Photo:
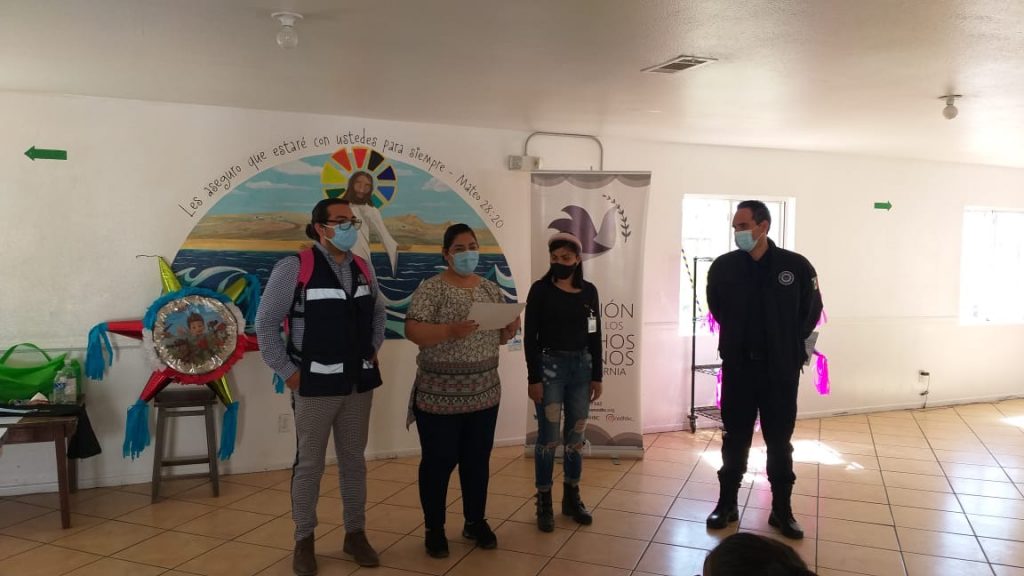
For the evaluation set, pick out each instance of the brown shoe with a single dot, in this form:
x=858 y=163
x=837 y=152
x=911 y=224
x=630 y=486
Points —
x=304 y=561
x=359 y=548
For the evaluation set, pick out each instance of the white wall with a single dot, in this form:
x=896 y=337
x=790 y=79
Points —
x=890 y=281
x=69 y=233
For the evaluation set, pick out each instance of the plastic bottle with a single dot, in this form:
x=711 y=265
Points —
x=59 y=385
x=65 y=386
x=70 y=384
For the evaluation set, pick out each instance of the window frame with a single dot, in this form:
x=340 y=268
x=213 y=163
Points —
x=783 y=226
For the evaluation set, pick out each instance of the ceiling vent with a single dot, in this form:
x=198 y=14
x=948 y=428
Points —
x=678 y=64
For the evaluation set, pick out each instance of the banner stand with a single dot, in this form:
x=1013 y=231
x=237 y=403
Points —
x=607 y=211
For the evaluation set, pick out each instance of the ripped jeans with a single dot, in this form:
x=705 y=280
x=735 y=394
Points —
x=566 y=389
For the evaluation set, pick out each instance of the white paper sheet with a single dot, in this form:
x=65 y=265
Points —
x=492 y=316
x=809 y=344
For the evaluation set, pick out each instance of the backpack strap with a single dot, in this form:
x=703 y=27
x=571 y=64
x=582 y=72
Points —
x=362 y=268
x=305 y=267
x=305 y=273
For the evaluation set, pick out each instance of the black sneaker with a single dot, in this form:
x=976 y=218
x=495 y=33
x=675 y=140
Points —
x=481 y=533
x=436 y=543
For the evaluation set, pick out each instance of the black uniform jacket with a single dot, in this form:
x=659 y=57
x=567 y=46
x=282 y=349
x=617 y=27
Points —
x=790 y=300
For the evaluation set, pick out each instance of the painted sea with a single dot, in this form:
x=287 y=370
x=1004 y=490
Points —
x=216 y=269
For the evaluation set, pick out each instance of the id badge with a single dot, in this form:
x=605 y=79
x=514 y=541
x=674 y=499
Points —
x=591 y=325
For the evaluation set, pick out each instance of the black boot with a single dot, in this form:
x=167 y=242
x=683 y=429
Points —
x=782 y=513
x=572 y=505
x=545 y=512
x=726 y=510
x=436 y=543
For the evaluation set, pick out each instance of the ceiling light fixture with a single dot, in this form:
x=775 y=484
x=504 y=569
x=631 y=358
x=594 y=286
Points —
x=950 y=111
x=287 y=37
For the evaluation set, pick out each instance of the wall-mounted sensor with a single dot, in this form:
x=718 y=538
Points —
x=524 y=163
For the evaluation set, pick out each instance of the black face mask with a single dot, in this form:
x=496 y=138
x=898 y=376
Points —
x=561 y=271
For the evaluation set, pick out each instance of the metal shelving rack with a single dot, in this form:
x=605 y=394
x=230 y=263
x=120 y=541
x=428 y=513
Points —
x=709 y=412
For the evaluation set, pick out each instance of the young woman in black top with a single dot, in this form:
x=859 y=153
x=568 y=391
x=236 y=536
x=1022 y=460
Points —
x=562 y=338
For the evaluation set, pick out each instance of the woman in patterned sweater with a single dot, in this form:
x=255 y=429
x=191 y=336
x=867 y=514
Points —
x=455 y=398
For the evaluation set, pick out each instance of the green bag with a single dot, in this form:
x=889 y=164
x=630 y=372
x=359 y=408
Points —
x=22 y=382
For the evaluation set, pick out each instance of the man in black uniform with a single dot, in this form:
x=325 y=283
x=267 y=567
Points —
x=767 y=303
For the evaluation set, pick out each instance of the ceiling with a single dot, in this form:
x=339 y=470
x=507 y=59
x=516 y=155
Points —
x=850 y=76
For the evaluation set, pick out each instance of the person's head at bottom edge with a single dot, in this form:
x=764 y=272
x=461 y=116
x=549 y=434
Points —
x=746 y=554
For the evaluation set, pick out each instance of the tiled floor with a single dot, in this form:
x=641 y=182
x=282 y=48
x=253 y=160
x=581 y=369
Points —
x=916 y=492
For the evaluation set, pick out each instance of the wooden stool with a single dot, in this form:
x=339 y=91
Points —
x=175 y=403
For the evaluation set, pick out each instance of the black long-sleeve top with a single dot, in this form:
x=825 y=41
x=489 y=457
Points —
x=558 y=320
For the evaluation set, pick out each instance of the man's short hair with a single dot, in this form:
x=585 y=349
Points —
x=759 y=210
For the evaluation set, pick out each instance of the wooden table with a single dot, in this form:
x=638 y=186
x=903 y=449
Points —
x=56 y=429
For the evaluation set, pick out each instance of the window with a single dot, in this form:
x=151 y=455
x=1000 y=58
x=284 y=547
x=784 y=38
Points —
x=992 y=267
x=707 y=233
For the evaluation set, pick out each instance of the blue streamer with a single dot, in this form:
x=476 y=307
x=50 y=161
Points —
x=278 y=383
x=251 y=298
x=228 y=431
x=136 y=430
x=95 y=364
x=150 y=318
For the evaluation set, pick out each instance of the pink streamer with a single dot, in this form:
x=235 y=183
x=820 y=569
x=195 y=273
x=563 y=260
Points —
x=712 y=323
x=822 y=319
x=822 y=382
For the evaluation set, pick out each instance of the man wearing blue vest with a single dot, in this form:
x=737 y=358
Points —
x=329 y=303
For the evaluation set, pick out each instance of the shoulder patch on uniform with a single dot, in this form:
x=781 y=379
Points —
x=786 y=277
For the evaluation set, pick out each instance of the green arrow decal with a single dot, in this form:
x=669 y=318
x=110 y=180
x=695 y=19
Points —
x=883 y=206
x=45 y=154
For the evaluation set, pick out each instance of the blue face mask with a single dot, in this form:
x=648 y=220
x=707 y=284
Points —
x=465 y=262
x=344 y=239
x=745 y=240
